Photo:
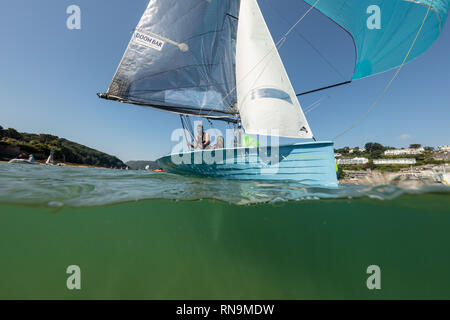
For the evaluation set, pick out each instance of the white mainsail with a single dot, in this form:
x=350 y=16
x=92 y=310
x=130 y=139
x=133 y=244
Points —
x=266 y=99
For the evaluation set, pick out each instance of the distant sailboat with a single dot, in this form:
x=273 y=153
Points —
x=50 y=161
x=30 y=160
x=217 y=60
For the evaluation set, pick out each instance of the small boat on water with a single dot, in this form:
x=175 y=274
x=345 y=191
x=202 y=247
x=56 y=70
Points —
x=30 y=160
x=50 y=160
x=217 y=60
x=23 y=161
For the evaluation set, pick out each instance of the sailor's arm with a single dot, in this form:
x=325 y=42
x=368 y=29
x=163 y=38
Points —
x=207 y=140
x=196 y=143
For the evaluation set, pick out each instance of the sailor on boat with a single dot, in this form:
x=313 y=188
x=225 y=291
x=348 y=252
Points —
x=202 y=141
x=220 y=144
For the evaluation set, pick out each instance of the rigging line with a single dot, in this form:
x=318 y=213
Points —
x=189 y=125
x=390 y=82
x=299 y=20
x=302 y=37
x=314 y=105
x=184 y=129
x=313 y=108
x=279 y=43
x=295 y=25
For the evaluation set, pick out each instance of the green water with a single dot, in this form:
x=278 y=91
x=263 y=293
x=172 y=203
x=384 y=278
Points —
x=210 y=249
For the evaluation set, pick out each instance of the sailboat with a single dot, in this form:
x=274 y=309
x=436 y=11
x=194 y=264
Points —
x=217 y=60
x=50 y=160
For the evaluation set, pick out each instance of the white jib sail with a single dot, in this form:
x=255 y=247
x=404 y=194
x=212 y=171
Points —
x=266 y=100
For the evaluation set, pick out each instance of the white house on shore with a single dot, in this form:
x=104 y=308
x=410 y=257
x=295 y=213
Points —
x=352 y=161
x=398 y=152
x=444 y=148
x=356 y=149
x=395 y=161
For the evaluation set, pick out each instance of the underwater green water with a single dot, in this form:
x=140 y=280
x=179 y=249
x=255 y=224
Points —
x=210 y=249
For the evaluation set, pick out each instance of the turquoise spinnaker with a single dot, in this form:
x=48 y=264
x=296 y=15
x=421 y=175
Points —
x=381 y=47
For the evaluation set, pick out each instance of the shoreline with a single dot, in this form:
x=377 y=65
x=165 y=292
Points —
x=74 y=165
x=410 y=178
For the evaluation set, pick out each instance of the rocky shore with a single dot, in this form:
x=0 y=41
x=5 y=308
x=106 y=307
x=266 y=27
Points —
x=415 y=177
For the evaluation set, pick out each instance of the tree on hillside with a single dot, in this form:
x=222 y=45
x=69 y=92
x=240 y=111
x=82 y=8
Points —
x=65 y=150
x=357 y=151
x=375 y=149
x=374 y=146
x=344 y=150
x=429 y=149
x=46 y=138
x=12 y=133
x=376 y=154
x=415 y=146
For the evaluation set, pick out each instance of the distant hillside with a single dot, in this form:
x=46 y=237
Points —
x=13 y=143
x=141 y=164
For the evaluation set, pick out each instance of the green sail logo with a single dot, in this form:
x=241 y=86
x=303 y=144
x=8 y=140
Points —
x=148 y=41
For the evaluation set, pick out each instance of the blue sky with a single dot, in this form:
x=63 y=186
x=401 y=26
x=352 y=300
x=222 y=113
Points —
x=50 y=76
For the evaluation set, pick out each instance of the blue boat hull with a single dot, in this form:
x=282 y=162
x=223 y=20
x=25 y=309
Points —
x=311 y=164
